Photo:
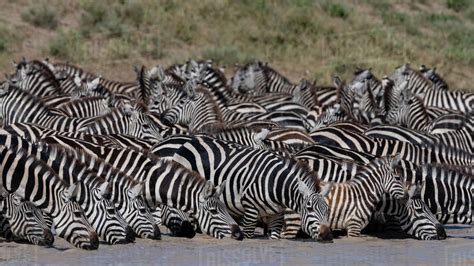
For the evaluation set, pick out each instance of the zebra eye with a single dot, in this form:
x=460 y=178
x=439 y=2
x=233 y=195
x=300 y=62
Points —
x=78 y=214
x=142 y=210
x=29 y=214
x=111 y=211
x=213 y=210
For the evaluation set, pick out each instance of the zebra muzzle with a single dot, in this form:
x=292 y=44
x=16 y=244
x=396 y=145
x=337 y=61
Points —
x=440 y=232
x=236 y=233
x=325 y=233
x=156 y=232
x=186 y=230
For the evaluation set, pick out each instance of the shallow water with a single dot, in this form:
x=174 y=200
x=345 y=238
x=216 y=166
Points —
x=458 y=249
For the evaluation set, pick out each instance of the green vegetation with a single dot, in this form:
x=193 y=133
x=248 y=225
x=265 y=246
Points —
x=41 y=14
x=320 y=38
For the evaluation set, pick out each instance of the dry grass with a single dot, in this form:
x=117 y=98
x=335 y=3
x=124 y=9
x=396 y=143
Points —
x=301 y=38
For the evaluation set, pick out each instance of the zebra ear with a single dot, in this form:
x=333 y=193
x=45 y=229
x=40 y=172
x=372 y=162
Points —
x=304 y=189
x=71 y=191
x=103 y=188
x=5 y=88
x=326 y=189
x=262 y=135
x=395 y=161
x=135 y=191
x=207 y=191
x=94 y=83
x=219 y=189
x=77 y=81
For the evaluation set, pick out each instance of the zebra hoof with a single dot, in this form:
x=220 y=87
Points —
x=186 y=230
x=236 y=232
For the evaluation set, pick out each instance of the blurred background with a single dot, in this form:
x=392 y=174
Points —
x=299 y=38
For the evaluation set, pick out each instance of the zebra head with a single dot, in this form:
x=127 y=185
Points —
x=26 y=221
x=212 y=215
x=249 y=79
x=418 y=220
x=135 y=212
x=314 y=212
x=178 y=222
x=102 y=214
x=391 y=182
x=329 y=116
x=70 y=222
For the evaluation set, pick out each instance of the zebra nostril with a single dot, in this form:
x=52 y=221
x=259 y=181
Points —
x=440 y=232
x=236 y=232
x=156 y=232
x=186 y=230
x=129 y=234
x=48 y=237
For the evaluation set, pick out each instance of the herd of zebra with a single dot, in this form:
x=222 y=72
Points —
x=86 y=158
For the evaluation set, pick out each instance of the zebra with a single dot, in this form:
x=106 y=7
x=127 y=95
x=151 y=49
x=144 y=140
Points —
x=418 y=84
x=258 y=78
x=460 y=139
x=36 y=78
x=195 y=111
x=26 y=220
x=438 y=81
x=377 y=177
x=140 y=166
x=85 y=107
x=447 y=190
x=17 y=105
x=136 y=164
x=127 y=120
x=257 y=169
x=92 y=192
x=382 y=147
x=46 y=191
x=118 y=87
x=416 y=219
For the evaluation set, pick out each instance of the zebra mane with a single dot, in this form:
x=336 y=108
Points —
x=79 y=153
x=35 y=162
x=35 y=99
x=210 y=99
x=303 y=170
x=463 y=170
x=68 y=67
x=217 y=129
x=46 y=72
x=267 y=70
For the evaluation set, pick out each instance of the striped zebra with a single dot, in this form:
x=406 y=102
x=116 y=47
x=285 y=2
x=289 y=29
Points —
x=412 y=215
x=258 y=78
x=85 y=107
x=382 y=147
x=26 y=220
x=46 y=191
x=19 y=106
x=448 y=191
x=127 y=120
x=378 y=178
x=257 y=178
x=118 y=87
x=462 y=139
x=36 y=78
x=143 y=167
x=418 y=84
x=438 y=81
x=92 y=194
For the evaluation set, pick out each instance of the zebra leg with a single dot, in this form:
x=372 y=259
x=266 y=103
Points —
x=292 y=224
x=355 y=225
x=249 y=222
x=5 y=229
x=275 y=225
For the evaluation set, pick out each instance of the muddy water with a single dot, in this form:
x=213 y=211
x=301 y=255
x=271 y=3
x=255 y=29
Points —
x=458 y=249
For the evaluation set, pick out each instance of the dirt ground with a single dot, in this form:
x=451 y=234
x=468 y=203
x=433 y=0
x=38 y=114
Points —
x=204 y=250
